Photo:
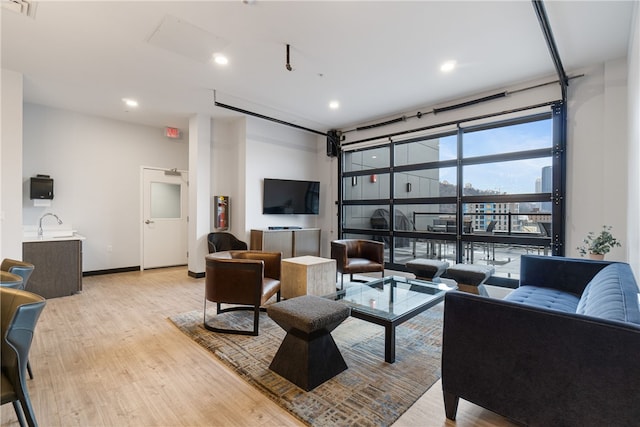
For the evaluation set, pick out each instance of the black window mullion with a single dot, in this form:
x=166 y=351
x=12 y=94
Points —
x=559 y=178
x=340 y=192
x=459 y=206
x=392 y=210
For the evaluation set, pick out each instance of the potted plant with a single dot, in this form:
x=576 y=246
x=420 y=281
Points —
x=598 y=245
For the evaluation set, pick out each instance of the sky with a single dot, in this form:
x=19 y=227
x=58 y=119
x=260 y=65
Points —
x=513 y=177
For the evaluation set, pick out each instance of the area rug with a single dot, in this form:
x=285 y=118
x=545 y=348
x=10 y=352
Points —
x=370 y=392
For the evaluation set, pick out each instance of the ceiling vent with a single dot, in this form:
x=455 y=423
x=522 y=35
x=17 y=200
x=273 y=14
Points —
x=183 y=38
x=22 y=7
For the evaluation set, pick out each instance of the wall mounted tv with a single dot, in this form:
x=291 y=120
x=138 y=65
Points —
x=286 y=196
x=41 y=187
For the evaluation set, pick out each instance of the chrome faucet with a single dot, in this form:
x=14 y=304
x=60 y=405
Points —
x=42 y=217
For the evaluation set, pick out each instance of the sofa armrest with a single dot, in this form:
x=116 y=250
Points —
x=539 y=366
x=566 y=274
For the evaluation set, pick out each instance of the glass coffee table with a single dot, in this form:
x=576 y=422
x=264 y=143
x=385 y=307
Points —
x=389 y=302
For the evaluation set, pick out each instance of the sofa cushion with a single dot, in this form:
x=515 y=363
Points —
x=537 y=296
x=612 y=294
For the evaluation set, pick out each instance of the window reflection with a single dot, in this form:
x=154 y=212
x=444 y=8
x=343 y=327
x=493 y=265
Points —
x=371 y=158
x=426 y=151
x=425 y=183
x=366 y=187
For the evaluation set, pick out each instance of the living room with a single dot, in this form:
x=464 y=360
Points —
x=96 y=163
x=75 y=145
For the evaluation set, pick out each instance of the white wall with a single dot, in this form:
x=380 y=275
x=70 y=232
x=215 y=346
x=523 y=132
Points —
x=199 y=224
x=328 y=218
x=598 y=145
x=226 y=170
x=11 y=166
x=277 y=151
x=519 y=96
x=95 y=163
x=247 y=150
x=633 y=233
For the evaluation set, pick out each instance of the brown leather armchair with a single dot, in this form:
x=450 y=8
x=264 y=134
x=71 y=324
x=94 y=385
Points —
x=357 y=256
x=247 y=279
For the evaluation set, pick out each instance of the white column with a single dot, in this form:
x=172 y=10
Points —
x=11 y=166
x=199 y=191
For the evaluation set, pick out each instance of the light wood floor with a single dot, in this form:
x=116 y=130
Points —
x=110 y=357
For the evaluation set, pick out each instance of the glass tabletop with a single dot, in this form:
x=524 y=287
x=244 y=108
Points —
x=391 y=297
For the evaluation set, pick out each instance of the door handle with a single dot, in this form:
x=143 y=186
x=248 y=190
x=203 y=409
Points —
x=148 y=221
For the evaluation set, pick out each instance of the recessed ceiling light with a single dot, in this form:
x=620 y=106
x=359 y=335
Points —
x=448 y=66
x=220 y=59
x=334 y=105
x=130 y=102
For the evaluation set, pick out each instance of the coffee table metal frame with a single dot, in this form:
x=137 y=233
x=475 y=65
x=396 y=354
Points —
x=404 y=299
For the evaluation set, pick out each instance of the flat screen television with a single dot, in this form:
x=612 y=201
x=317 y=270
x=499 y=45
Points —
x=286 y=196
x=41 y=188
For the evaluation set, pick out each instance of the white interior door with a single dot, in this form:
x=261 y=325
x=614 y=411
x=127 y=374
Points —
x=164 y=221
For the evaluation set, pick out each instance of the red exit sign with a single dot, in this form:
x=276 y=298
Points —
x=172 y=133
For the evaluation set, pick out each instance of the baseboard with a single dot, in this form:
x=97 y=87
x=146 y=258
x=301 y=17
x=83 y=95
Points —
x=128 y=270
x=111 y=271
x=195 y=275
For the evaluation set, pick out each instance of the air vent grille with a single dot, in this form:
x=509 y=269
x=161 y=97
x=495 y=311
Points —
x=22 y=7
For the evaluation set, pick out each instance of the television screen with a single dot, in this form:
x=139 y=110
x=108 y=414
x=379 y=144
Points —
x=284 y=196
x=41 y=188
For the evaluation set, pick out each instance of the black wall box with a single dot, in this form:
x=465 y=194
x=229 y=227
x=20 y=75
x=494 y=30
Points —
x=41 y=188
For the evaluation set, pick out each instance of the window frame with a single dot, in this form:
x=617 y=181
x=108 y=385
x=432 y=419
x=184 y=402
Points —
x=556 y=153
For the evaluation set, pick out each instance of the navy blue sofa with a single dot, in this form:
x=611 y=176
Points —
x=561 y=350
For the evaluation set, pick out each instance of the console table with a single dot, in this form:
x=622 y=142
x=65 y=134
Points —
x=291 y=242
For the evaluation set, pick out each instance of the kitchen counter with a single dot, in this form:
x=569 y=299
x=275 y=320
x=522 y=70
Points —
x=52 y=236
x=57 y=257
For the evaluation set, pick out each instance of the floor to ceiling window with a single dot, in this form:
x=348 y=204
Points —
x=474 y=193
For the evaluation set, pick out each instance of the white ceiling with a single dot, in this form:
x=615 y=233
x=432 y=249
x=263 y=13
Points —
x=378 y=58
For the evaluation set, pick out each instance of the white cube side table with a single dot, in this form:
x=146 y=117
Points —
x=307 y=275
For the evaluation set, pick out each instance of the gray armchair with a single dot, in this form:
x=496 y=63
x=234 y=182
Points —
x=20 y=313
x=21 y=268
x=24 y=270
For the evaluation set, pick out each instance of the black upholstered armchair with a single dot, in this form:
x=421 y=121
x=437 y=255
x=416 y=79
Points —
x=221 y=241
x=357 y=256
x=246 y=279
